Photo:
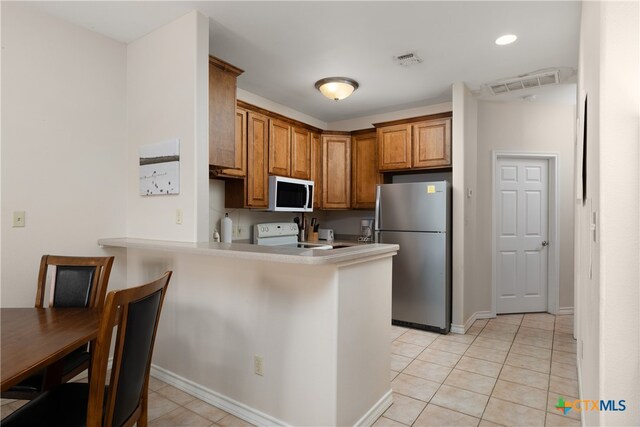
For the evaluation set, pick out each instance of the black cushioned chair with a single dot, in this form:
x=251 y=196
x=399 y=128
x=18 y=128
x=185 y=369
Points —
x=135 y=314
x=75 y=282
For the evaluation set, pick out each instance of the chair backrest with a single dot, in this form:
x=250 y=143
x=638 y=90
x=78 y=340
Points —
x=135 y=313
x=76 y=282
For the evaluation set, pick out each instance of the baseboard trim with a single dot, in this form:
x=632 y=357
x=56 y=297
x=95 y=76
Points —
x=248 y=413
x=376 y=410
x=563 y=311
x=229 y=405
x=462 y=329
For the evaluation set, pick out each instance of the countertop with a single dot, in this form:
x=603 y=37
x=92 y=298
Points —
x=354 y=252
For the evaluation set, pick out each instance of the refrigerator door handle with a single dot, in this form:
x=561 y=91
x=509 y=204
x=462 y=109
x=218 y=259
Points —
x=377 y=215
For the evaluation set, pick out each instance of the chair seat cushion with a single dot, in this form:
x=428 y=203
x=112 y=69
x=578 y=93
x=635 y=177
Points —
x=33 y=384
x=75 y=359
x=65 y=405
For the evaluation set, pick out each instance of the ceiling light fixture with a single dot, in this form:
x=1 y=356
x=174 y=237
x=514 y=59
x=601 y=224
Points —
x=506 y=39
x=336 y=88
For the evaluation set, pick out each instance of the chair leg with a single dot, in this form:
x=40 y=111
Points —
x=142 y=421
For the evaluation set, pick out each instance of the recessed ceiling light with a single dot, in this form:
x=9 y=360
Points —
x=506 y=39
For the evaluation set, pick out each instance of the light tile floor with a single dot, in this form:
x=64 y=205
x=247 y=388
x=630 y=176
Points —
x=506 y=371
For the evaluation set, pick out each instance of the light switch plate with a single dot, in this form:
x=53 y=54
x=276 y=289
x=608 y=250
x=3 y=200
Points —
x=18 y=218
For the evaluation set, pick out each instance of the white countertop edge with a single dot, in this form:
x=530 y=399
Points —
x=257 y=253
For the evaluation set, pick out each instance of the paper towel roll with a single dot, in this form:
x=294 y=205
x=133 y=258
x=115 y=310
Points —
x=226 y=229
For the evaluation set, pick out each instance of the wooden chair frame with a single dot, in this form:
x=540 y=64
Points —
x=115 y=314
x=54 y=374
x=100 y=279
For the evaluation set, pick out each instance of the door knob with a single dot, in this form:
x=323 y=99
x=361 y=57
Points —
x=545 y=243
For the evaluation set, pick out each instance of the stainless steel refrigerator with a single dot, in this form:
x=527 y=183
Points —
x=417 y=216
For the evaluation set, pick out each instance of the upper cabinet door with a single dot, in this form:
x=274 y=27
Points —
x=280 y=148
x=300 y=153
x=257 y=158
x=394 y=147
x=316 y=169
x=336 y=172
x=241 y=145
x=222 y=115
x=432 y=143
x=364 y=171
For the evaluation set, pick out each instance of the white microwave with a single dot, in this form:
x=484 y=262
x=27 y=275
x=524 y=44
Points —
x=290 y=194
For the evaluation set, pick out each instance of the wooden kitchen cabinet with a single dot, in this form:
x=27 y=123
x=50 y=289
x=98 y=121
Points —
x=417 y=143
x=257 y=183
x=432 y=143
x=279 y=148
x=300 y=153
x=316 y=169
x=223 y=145
x=241 y=143
x=336 y=171
x=364 y=170
x=394 y=147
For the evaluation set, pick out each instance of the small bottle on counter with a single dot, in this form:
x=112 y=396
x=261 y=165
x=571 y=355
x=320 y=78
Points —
x=226 y=228
x=216 y=236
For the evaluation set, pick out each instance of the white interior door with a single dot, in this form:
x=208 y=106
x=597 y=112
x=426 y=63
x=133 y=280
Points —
x=522 y=202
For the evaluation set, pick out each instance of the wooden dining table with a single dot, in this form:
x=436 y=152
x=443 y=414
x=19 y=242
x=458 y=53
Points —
x=34 y=338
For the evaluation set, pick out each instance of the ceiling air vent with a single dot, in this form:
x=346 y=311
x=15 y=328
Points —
x=525 y=82
x=408 y=59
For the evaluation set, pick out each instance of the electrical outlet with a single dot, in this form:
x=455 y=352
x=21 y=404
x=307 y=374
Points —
x=258 y=365
x=236 y=231
x=18 y=218
x=178 y=216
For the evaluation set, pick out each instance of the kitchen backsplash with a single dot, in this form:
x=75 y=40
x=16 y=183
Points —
x=244 y=219
x=342 y=222
x=346 y=222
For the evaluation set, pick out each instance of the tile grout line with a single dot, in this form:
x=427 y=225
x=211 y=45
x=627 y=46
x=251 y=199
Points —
x=445 y=379
x=501 y=368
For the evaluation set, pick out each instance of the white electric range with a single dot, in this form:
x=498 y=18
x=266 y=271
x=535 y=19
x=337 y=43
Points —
x=282 y=234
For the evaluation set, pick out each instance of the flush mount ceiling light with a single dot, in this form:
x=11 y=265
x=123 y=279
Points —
x=506 y=39
x=336 y=88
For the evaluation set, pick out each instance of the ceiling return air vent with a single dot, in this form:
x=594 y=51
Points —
x=408 y=59
x=525 y=82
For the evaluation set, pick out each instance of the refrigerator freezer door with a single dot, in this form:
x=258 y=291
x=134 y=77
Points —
x=421 y=285
x=412 y=207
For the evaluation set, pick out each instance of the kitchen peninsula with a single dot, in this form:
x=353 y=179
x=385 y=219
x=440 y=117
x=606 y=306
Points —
x=277 y=336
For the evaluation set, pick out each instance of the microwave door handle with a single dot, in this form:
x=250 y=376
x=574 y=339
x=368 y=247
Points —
x=306 y=203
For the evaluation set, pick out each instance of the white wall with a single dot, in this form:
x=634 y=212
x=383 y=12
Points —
x=608 y=297
x=167 y=87
x=469 y=193
x=301 y=319
x=368 y=121
x=267 y=104
x=63 y=145
x=528 y=127
x=459 y=130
